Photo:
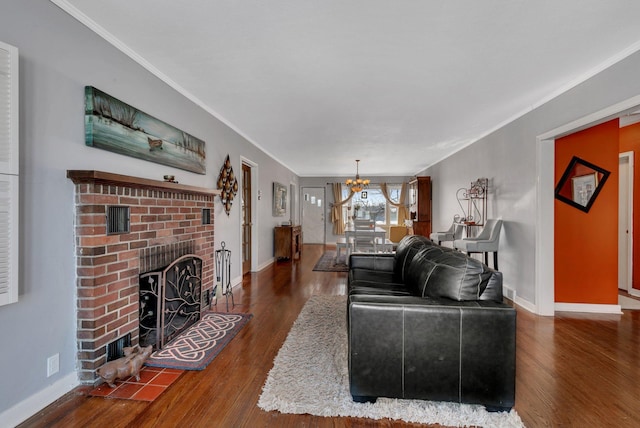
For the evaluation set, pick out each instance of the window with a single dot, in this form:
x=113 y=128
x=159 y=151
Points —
x=371 y=204
x=8 y=174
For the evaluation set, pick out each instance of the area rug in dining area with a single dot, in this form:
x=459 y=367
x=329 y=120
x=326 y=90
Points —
x=329 y=262
x=310 y=375
x=199 y=344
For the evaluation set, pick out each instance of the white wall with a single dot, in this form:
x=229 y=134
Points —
x=58 y=57
x=508 y=157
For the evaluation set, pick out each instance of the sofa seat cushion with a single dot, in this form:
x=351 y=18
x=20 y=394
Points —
x=439 y=272
x=372 y=275
x=378 y=289
x=375 y=282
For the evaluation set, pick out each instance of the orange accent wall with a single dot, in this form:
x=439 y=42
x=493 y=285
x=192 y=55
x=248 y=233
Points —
x=586 y=244
x=630 y=142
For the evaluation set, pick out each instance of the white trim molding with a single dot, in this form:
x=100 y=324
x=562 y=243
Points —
x=588 y=308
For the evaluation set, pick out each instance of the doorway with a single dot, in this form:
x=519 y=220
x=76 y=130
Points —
x=545 y=231
x=313 y=208
x=246 y=218
x=625 y=222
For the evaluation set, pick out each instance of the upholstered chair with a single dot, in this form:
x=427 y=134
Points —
x=396 y=233
x=485 y=242
x=454 y=232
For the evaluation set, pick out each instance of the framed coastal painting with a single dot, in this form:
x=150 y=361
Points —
x=113 y=125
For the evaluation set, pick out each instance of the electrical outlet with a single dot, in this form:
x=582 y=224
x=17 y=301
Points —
x=53 y=364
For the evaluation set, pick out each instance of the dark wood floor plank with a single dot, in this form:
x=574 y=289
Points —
x=573 y=370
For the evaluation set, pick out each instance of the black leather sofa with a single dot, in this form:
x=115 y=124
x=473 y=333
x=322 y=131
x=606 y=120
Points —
x=429 y=323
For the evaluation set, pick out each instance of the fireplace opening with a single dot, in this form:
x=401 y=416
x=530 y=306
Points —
x=171 y=298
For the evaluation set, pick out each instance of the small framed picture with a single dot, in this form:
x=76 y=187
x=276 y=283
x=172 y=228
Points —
x=583 y=187
x=363 y=195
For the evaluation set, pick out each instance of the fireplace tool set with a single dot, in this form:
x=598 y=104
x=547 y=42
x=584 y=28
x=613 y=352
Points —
x=223 y=274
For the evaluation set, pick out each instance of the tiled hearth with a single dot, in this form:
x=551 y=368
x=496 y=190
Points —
x=153 y=382
x=108 y=265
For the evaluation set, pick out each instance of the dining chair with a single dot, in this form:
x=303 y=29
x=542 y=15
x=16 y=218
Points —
x=363 y=242
x=453 y=233
x=363 y=223
x=487 y=241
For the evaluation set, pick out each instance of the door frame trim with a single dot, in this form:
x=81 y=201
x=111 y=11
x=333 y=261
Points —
x=630 y=158
x=545 y=212
x=324 y=208
x=254 y=217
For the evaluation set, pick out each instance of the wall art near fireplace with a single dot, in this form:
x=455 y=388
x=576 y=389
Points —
x=112 y=125
x=227 y=184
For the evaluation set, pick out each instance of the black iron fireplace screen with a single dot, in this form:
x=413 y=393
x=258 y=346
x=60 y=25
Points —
x=170 y=300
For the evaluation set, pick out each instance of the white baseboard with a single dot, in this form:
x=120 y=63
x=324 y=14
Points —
x=509 y=293
x=266 y=264
x=38 y=401
x=525 y=304
x=634 y=292
x=588 y=307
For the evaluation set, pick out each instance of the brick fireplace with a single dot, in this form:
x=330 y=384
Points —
x=158 y=214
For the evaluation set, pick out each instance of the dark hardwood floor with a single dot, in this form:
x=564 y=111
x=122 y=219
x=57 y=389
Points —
x=573 y=370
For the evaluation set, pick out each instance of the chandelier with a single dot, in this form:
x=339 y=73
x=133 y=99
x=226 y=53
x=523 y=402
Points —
x=357 y=184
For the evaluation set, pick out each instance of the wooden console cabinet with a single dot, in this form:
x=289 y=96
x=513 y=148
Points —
x=420 y=204
x=288 y=242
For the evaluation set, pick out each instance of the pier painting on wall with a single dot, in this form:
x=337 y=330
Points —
x=115 y=126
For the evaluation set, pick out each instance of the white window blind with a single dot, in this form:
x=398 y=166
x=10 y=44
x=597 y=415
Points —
x=8 y=174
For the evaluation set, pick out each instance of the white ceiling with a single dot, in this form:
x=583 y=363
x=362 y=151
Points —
x=399 y=84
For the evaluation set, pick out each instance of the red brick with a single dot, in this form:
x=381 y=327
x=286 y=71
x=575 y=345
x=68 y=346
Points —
x=138 y=244
x=118 y=248
x=130 y=309
x=90 y=272
x=130 y=273
x=85 y=292
x=143 y=209
x=130 y=291
x=103 y=260
x=91 y=314
x=113 y=307
x=129 y=237
x=125 y=200
x=98 y=241
x=117 y=267
x=117 y=286
x=90 y=219
x=91 y=209
x=106 y=319
x=140 y=227
x=106 y=279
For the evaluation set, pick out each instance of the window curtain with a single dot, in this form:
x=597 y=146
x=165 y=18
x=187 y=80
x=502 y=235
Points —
x=336 y=211
x=403 y=213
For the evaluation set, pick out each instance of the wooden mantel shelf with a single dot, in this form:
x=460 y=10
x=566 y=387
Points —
x=87 y=176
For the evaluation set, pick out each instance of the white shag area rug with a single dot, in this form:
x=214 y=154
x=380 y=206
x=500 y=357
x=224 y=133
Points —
x=310 y=375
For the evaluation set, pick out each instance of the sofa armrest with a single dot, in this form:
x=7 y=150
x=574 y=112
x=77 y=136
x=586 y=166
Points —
x=409 y=347
x=378 y=262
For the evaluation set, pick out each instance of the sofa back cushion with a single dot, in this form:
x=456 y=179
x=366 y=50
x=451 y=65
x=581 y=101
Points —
x=442 y=272
x=406 y=250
